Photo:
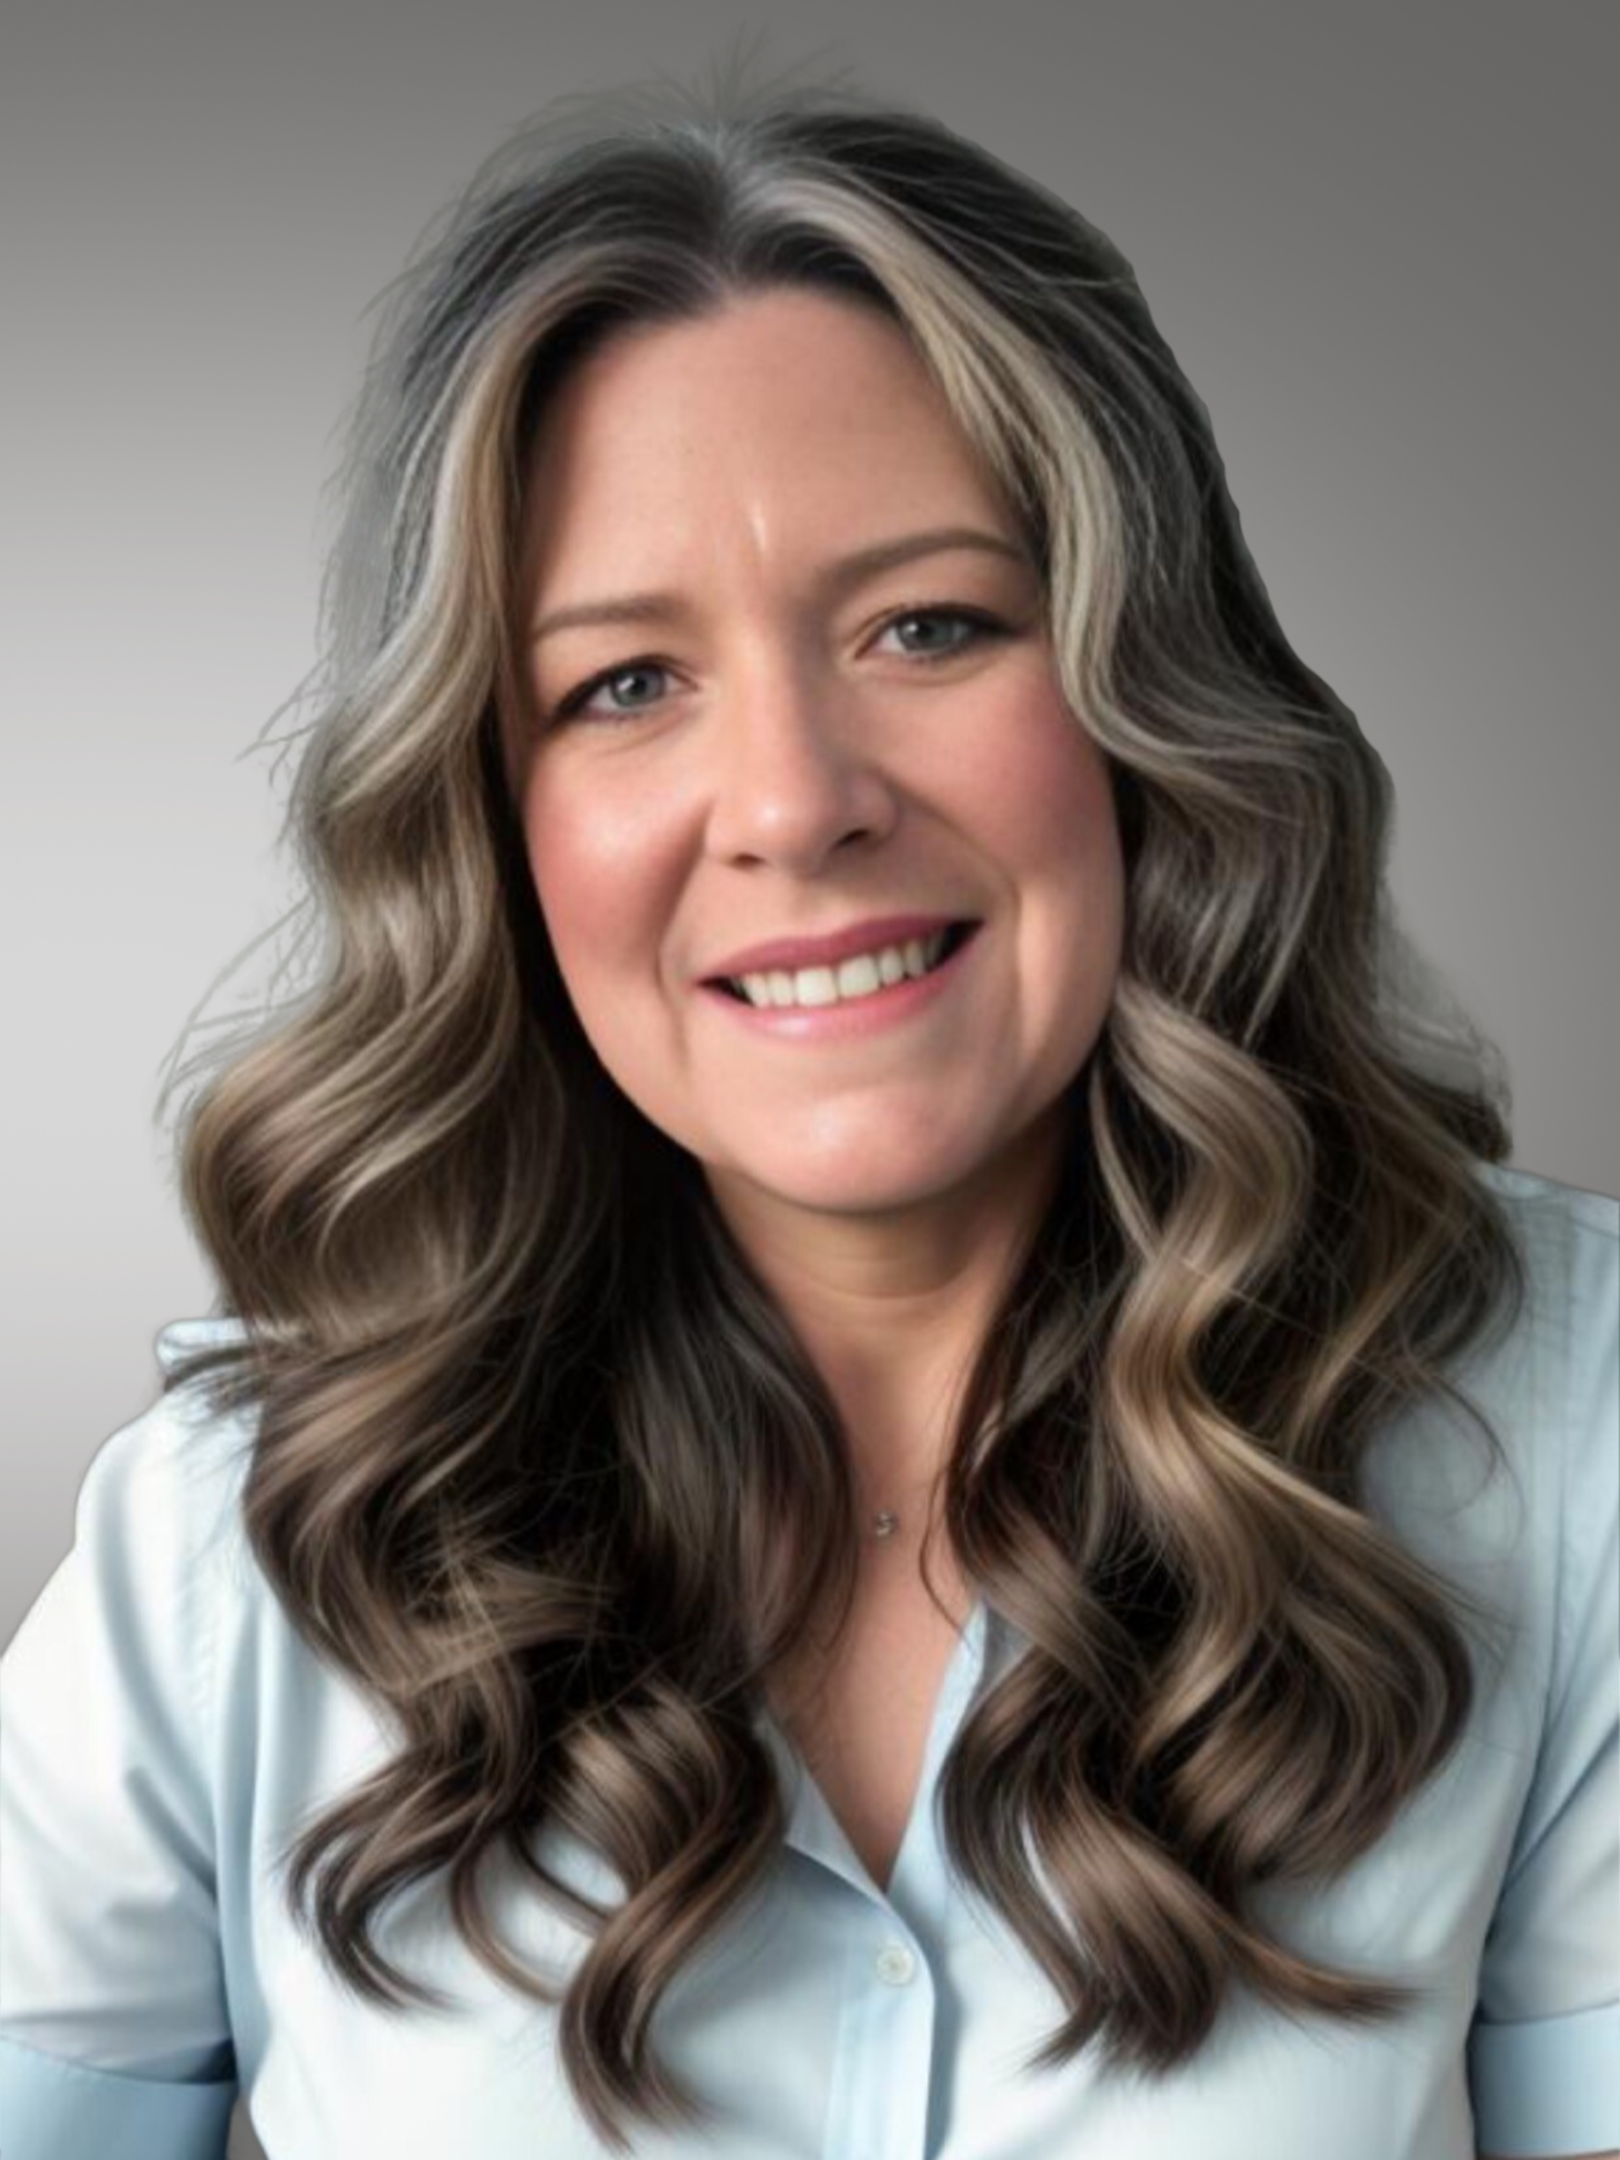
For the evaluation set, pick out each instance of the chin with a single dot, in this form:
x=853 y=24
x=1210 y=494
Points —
x=852 y=1188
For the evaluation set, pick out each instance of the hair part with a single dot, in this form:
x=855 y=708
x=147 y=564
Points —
x=537 y=1460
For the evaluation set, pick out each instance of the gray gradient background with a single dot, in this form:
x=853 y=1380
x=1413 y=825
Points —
x=1378 y=239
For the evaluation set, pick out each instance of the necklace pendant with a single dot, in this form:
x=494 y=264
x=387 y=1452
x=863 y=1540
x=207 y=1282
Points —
x=885 y=1523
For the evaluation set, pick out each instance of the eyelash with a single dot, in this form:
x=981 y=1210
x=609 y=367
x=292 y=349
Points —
x=983 y=626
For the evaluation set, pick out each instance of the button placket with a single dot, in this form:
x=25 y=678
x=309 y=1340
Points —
x=879 y=2107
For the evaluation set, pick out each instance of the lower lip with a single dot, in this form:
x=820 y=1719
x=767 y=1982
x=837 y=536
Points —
x=850 y=1018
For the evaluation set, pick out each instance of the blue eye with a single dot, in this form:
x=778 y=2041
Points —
x=576 y=698
x=975 y=624
x=974 y=621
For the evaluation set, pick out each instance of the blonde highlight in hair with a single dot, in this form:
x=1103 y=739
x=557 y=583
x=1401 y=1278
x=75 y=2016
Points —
x=538 y=1463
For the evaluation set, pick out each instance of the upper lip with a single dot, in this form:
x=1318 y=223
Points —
x=803 y=952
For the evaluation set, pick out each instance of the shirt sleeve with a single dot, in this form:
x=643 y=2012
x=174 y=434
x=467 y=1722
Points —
x=1544 y=2048
x=114 y=2033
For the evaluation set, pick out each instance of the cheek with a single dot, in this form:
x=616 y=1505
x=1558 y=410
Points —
x=594 y=867
x=1048 y=813
x=1048 y=817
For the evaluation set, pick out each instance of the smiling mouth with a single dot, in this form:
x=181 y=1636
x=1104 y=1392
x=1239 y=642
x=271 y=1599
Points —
x=816 y=989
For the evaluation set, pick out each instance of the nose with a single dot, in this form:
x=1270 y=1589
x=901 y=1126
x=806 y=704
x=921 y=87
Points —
x=795 y=775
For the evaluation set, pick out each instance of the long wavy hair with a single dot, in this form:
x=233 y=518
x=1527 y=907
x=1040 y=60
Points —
x=538 y=1461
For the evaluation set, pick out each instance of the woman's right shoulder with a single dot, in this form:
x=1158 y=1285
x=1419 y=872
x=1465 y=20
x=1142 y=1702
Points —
x=173 y=1474
x=122 y=1785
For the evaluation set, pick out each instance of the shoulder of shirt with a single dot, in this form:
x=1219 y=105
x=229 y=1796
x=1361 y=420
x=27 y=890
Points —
x=177 y=1469
x=1570 y=1238
x=180 y=1337
x=1537 y=1199
x=1557 y=1369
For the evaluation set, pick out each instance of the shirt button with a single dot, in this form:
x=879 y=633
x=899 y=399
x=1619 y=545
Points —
x=895 y=1964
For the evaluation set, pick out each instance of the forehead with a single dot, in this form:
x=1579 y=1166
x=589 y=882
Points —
x=790 y=415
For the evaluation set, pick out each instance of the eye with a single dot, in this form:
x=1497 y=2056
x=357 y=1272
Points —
x=977 y=624
x=578 y=697
x=974 y=621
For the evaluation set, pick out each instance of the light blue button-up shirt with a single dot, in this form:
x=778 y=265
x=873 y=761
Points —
x=165 y=1731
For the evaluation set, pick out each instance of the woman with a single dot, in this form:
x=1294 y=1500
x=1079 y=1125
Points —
x=830 y=1508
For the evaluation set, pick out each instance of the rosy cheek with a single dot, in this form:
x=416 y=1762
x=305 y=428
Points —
x=594 y=869
x=561 y=866
x=1042 y=807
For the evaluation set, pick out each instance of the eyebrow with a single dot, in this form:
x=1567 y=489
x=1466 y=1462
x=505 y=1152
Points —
x=837 y=577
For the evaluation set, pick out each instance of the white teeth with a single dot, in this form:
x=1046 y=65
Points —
x=855 y=978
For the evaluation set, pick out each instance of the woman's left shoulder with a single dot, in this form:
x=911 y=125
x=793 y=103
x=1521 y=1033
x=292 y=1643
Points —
x=1566 y=1224
x=1570 y=1237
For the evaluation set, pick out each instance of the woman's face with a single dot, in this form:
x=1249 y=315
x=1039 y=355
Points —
x=773 y=752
